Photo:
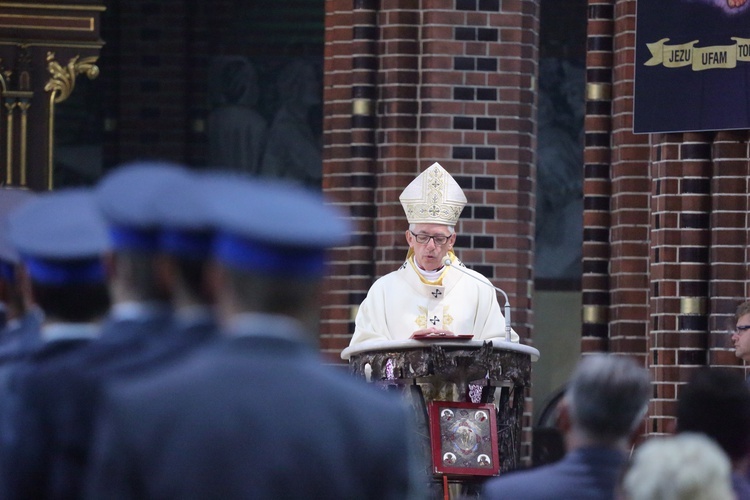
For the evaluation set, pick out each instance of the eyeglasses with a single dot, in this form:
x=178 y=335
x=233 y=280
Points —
x=742 y=328
x=423 y=239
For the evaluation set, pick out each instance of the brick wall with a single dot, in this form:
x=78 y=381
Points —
x=665 y=239
x=451 y=83
x=631 y=189
x=156 y=59
x=408 y=83
x=349 y=158
x=597 y=184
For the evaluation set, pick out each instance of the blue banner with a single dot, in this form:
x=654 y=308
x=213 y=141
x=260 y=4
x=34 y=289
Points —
x=692 y=69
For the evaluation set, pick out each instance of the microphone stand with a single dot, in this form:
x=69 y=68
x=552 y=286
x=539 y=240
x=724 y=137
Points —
x=449 y=263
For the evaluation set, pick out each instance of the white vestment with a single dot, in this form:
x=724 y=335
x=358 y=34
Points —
x=402 y=302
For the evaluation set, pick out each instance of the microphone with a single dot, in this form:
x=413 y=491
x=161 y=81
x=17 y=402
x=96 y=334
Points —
x=447 y=261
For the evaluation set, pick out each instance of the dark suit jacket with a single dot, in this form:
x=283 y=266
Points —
x=64 y=398
x=585 y=473
x=21 y=337
x=57 y=402
x=29 y=444
x=251 y=417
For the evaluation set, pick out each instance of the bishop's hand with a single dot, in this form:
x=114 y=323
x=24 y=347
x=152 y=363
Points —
x=432 y=332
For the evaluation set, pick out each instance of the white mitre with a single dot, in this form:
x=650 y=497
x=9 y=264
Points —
x=434 y=197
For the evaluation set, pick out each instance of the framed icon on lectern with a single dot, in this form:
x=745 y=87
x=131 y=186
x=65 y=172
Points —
x=464 y=438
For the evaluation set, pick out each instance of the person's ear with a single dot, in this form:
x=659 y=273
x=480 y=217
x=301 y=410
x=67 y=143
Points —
x=409 y=238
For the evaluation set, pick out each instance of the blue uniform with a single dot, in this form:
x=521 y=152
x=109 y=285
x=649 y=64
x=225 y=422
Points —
x=32 y=437
x=255 y=415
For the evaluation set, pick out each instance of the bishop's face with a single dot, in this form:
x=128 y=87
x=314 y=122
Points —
x=430 y=254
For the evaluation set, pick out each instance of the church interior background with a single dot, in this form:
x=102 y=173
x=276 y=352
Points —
x=239 y=93
x=229 y=83
x=207 y=86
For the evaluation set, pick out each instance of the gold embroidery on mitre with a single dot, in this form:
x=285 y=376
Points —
x=434 y=197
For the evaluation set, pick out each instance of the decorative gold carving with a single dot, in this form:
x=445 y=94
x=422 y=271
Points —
x=60 y=86
x=4 y=78
x=10 y=104
x=51 y=141
x=24 y=106
x=54 y=23
x=16 y=100
x=596 y=315
x=63 y=79
x=692 y=305
x=50 y=43
x=98 y=8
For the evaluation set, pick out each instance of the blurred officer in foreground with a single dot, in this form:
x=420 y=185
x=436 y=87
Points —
x=185 y=238
x=19 y=319
x=140 y=310
x=61 y=239
x=137 y=324
x=175 y=313
x=256 y=414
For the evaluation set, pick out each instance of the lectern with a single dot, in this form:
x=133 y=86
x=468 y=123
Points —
x=467 y=398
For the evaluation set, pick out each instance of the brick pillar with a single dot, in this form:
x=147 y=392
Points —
x=477 y=109
x=617 y=191
x=597 y=187
x=398 y=130
x=677 y=256
x=347 y=180
x=631 y=190
x=679 y=271
x=729 y=254
x=455 y=84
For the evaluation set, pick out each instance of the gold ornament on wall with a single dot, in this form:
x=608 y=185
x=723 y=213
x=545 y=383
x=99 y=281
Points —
x=60 y=86
x=63 y=79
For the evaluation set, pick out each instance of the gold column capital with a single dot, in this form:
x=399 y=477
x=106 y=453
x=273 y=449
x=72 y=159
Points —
x=63 y=79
